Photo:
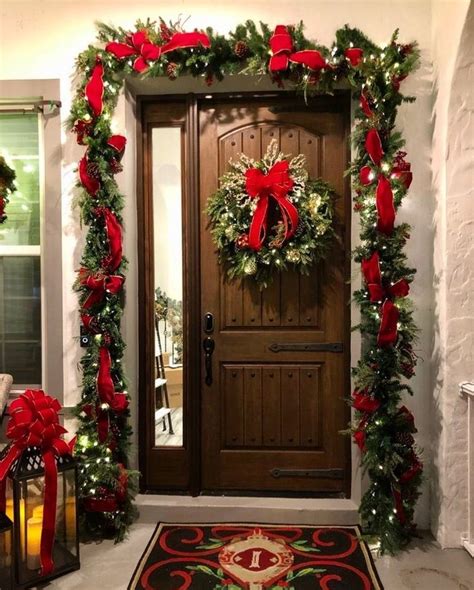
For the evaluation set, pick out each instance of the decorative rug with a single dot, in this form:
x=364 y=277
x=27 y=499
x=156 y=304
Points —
x=255 y=557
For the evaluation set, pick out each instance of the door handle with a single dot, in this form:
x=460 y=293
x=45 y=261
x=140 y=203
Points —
x=208 y=345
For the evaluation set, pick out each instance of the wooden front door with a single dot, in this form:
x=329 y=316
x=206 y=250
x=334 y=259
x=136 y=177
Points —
x=272 y=416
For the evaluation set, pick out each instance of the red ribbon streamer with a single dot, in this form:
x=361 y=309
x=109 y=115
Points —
x=34 y=422
x=108 y=398
x=94 y=90
x=92 y=185
x=378 y=292
x=281 y=47
x=138 y=44
x=117 y=142
x=373 y=146
x=105 y=385
x=99 y=284
x=277 y=183
x=354 y=55
x=114 y=236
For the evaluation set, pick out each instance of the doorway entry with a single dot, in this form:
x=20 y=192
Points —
x=260 y=410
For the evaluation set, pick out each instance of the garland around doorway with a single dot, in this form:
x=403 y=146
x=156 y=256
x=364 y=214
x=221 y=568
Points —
x=383 y=428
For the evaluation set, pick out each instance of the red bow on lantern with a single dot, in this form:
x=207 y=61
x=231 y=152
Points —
x=277 y=183
x=281 y=47
x=138 y=44
x=34 y=422
x=384 y=195
x=99 y=284
x=378 y=292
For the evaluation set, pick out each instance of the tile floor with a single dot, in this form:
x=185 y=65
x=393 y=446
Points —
x=423 y=567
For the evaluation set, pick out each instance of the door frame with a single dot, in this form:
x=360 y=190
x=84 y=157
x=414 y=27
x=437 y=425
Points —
x=191 y=268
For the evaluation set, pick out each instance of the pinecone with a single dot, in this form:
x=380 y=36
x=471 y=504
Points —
x=241 y=49
x=93 y=170
x=250 y=267
x=115 y=166
x=405 y=438
x=172 y=70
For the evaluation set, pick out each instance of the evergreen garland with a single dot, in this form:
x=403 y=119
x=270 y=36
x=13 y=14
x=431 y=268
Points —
x=383 y=428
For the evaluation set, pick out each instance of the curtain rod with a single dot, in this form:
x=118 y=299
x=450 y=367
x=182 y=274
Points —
x=35 y=106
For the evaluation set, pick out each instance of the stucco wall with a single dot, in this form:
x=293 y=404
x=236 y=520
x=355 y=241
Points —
x=453 y=191
x=41 y=39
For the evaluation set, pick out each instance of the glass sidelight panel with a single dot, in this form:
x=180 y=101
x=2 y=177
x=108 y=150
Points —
x=168 y=283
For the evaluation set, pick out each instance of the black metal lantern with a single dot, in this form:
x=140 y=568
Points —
x=25 y=500
x=6 y=548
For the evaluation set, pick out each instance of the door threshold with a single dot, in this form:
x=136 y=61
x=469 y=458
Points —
x=265 y=510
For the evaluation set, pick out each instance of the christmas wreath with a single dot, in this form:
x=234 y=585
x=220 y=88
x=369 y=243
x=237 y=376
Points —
x=268 y=215
x=7 y=186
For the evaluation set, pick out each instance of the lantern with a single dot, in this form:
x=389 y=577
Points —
x=38 y=483
x=6 y=562
x=26 y=498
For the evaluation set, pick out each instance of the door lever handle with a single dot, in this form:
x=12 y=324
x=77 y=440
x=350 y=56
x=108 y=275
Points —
x=208 y=345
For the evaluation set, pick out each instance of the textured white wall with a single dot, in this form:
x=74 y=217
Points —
x=453 y=184
x=41 y=38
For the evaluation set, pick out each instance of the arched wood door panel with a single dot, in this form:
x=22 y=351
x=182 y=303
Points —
x=270 y=421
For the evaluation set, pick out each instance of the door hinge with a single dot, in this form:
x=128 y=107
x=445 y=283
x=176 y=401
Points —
x=312 y=473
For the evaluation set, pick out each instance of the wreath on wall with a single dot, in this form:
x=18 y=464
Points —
x=268 y=215
x=383 y=427
x=7 y=186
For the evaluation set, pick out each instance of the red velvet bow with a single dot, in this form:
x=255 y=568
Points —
x=117 y=142
x=363 y=402
x=139 y=45
x=277 y=183
x=114 y=235
x=34 y=422
x=402 y=170
x=94 y=90
x=99 y=284
x=281 y=47
x=378 y=292
x=415 y=468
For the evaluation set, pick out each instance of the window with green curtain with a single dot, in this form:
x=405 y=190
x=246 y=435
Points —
x=20 y=252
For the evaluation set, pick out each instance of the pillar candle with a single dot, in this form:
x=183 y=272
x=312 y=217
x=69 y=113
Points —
x=33 y=542
x=10 y=513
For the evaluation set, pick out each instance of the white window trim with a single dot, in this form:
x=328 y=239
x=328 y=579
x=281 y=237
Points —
x=49 y=249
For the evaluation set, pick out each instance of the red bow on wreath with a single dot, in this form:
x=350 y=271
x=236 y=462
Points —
x=281 y=47
x=378 y=292
x=139 y=45
x=277 y=184
x=34 y=422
